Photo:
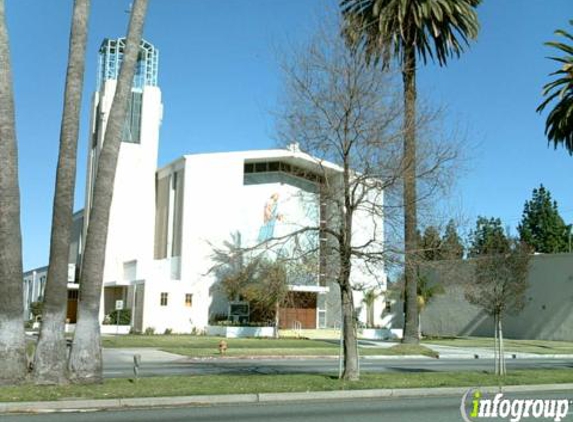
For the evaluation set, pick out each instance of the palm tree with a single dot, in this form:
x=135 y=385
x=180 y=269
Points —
x=405 y=30
x=559 y=124
x=426 y=293
x=12 y=343
x=51 y=352
x=85 y=363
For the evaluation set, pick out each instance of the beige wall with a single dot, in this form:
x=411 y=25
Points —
x=548 y=313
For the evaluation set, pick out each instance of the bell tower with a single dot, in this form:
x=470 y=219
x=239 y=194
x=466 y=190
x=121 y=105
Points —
x=129 y=251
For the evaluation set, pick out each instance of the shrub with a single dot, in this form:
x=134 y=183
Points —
x=36 y=308
x=168 y=331
x=149 y=331
x=245 y=324
x=123 y=315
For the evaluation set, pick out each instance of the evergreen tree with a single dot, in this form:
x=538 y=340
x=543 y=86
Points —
x=430 y=244
x=488 y=238
x=452 y=246
x=541 y=226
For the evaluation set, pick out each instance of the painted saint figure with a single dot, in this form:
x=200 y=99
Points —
x=270 y=216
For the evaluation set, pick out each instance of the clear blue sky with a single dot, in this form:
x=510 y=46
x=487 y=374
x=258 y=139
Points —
x=220 y=82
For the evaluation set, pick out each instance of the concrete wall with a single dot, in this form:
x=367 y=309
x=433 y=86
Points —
x=547 y=315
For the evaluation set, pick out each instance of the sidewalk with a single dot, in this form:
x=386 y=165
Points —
x=151 y=402
x=454 y=352
x=155 y=355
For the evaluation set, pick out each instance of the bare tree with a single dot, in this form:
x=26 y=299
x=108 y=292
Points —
x=51 y=351
x=348 y=115
x=85 y=363
x=498 y=287
x=245 y=273
x=12 y=346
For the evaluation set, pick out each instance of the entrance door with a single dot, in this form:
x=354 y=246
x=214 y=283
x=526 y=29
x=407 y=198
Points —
x=300 y=308
x=72 y=306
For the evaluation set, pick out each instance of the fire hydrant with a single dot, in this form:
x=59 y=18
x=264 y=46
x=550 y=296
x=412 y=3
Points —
x=223 y=347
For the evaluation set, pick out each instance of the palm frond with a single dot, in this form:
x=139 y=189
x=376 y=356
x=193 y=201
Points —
x=559 y=123
x=437 y=29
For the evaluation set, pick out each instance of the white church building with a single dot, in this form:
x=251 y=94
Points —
x=165 y=222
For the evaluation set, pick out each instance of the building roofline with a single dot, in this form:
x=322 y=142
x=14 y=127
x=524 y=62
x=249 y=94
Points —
x=292 y=153
x=38 y=270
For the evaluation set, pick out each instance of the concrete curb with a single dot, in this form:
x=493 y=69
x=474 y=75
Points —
x=150 y=402
x=370 y=357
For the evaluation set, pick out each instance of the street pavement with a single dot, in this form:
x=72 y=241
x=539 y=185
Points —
x=118 y=363
x=441 y=408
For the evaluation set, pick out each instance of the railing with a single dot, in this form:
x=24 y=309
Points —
x=297 y=327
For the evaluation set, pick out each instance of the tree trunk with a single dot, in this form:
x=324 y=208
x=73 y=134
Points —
x=350 y=342
x=51 y=352
x=495 y=345
x=502 y=371
x=410 y=213
x=277 y=318
x=12 y=341
x=85 y=361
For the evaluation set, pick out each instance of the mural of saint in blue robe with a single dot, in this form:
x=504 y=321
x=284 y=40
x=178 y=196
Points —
x=270 y=218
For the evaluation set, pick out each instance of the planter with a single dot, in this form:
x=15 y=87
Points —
x=238 y=332
x=115 y=329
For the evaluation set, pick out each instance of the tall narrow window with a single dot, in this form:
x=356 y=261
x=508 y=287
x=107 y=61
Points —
x=161 y=217
x=188 y=300
x=177 y=186
x=164 y=297
x=132 y=126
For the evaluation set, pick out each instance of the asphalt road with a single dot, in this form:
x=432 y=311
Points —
x=121 y=368
x=411 y=409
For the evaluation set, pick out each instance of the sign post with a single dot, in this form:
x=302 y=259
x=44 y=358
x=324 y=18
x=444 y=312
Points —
x=118 y=308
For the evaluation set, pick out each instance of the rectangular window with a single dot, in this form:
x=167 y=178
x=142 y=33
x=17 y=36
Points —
x=161 y=217
x=132 y=126
x=188 y=300
x=260 y=167
x=164 y=297
x=249 y=168
x=178 y=185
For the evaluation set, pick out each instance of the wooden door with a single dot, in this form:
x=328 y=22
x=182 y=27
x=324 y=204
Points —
x=300 y=307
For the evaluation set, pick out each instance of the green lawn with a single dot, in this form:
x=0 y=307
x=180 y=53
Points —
x=204 y=342
x=543 y=347
x=310 y=350
x=238 y=384
x=202 y=346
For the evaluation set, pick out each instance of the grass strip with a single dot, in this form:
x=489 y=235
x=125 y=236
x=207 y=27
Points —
x=243 y=384
x=247 y=352
x=202 y=346
x=210 y=342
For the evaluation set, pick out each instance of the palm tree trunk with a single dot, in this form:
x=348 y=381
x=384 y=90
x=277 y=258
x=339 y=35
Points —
x=410 y=212
x=85 y=361
x=12 y=341
x=51 y=352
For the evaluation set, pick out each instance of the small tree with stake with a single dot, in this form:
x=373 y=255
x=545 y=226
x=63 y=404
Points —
x=500 y=279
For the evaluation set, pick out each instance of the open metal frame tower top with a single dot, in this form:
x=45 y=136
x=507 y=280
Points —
x=111 y=57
